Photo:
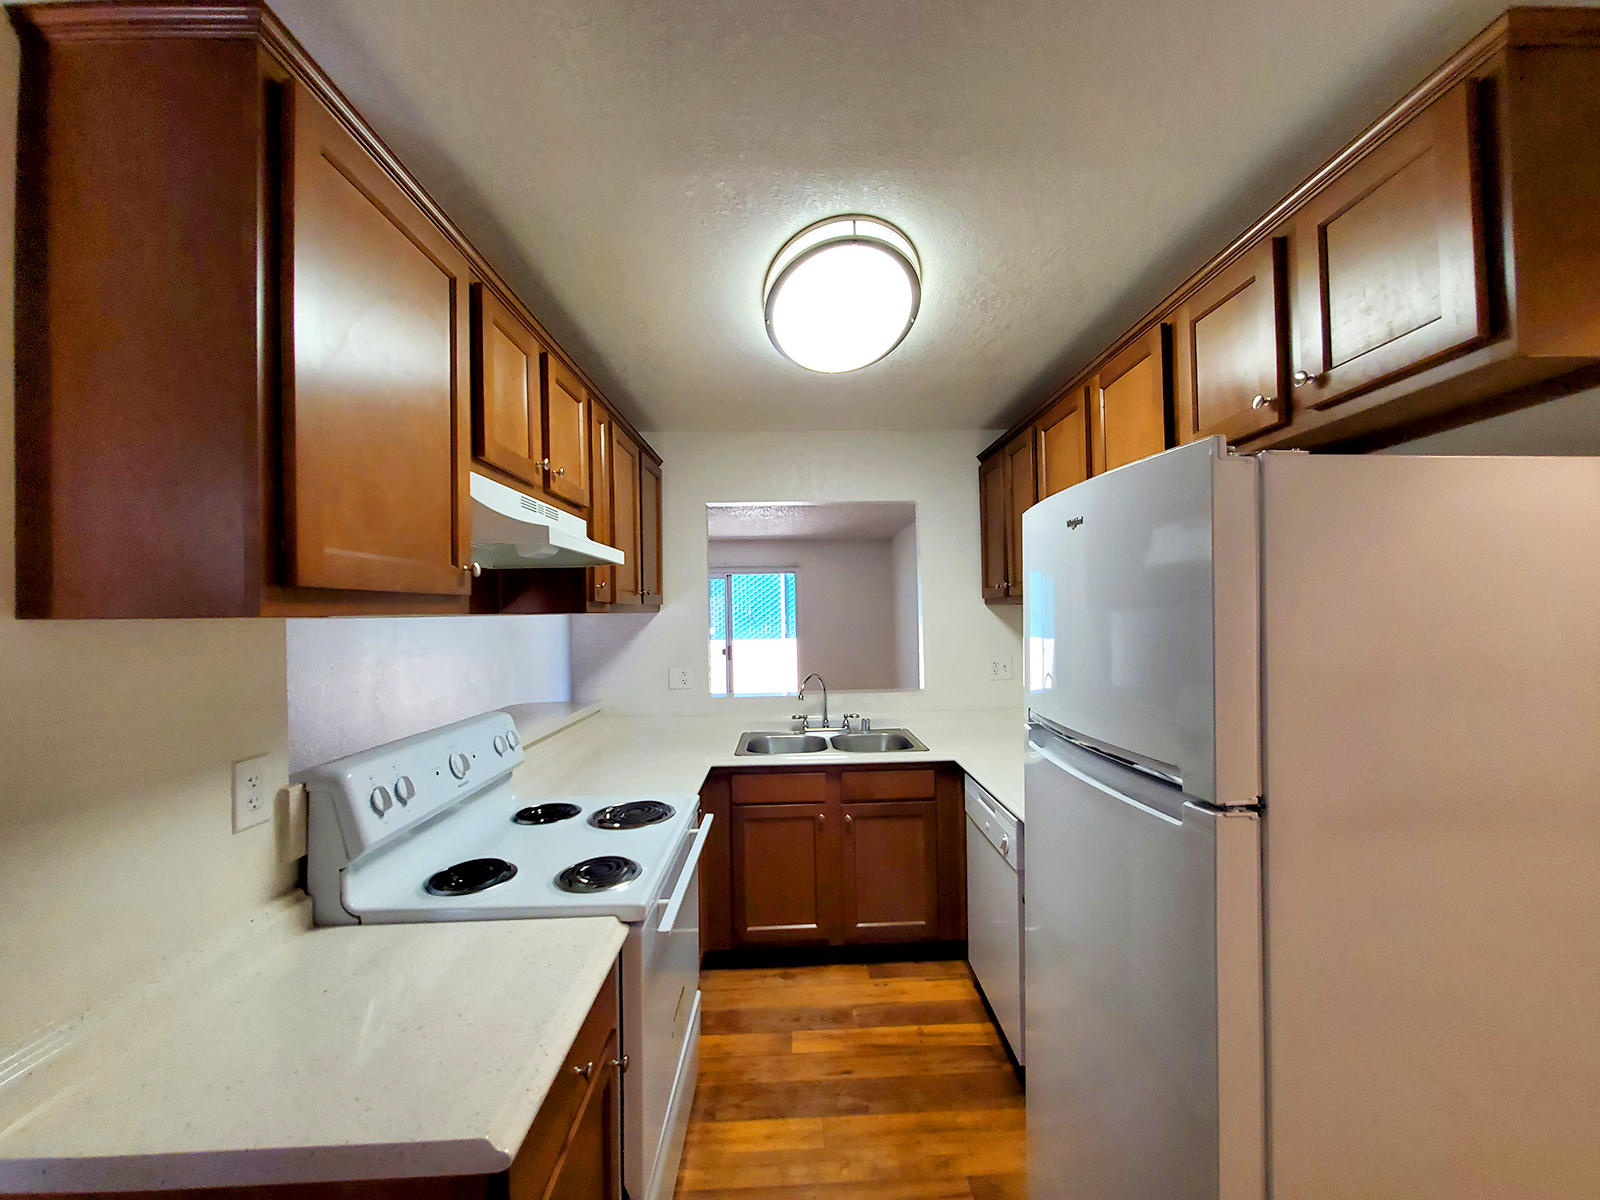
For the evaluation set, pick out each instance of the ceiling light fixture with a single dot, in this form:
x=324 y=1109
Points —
x=842 y=293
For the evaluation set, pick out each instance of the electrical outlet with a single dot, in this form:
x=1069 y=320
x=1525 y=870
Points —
x=678 y=678
x=252 y=801
x=1000 y=668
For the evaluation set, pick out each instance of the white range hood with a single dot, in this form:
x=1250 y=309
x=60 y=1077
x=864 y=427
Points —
x=511 y=529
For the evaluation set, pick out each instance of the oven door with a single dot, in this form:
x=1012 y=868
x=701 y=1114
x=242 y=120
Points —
x=661 y=1032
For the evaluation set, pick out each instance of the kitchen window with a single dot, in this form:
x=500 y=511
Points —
x=753 y=648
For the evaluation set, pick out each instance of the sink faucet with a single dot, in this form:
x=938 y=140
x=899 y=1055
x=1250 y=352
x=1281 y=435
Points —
x=802 y=696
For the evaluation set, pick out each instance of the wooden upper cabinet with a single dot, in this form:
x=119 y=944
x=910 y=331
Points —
x=1231 y=349
x=784 y=886
x=1129 y=402
x=1022 y=486
x=601 y=579
x=376 y=382
x=1389 y=259
x=649 y=530
x=567 y=433
x=507 y=409
x=994 y=514
x=1063 y=443
x=625 y=515
x=891 y=882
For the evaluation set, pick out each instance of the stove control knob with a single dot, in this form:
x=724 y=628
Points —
x=404 y=790
x=511 y=739
x=459 y=764
x=380 y=800
x=499 y=745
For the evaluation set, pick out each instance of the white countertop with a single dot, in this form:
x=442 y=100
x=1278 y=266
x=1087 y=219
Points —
x=605 y=753
x=287 y=1053
x=292 y=1053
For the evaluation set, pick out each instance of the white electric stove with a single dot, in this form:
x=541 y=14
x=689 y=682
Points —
x=430 y=828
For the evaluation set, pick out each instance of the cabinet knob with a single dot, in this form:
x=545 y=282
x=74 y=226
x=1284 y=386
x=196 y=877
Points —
x=559 y=470
x=1262 y=402
x=1301 y=378
x=621 y=1064
x=545 y=464
x=849 y=819
x=821 y=817
x=587 y=1070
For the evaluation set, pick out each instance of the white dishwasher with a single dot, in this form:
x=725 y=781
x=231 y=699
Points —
x=994 y=908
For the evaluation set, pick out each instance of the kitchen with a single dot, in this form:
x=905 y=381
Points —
x=133 y=905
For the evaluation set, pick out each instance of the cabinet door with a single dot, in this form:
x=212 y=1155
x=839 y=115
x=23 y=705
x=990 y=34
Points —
x=590 y=1166
x=1389 y=259
x=625 y=515
x=994 y=505
x=1129 y=416
x=601 y=579
x=566 y=411
x=1022 y=485
x=1064 y=443
x=649 y=530
x=785 y=887
x=507 y=361
x=377 y=375
x=1231 y=368
x=891 y=871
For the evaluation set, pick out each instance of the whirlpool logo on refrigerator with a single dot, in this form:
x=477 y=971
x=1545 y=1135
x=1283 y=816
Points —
x=1074 y=522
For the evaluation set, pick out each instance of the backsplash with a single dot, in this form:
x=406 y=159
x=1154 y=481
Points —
x=358 y=682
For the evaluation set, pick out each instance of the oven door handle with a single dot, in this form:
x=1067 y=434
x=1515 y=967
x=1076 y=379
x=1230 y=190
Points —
x=686 y=876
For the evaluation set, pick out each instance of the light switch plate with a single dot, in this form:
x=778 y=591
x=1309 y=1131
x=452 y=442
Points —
x=1000 y=668
x=678 y=678
x=252 y=799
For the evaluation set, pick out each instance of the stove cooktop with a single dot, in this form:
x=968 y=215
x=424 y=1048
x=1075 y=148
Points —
x=499 y=857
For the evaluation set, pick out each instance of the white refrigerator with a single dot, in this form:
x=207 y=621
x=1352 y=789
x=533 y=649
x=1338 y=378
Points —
x=1313 y=794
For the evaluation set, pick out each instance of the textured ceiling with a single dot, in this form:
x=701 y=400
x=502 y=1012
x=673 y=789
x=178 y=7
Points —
x=841 y=521
x=633 y=167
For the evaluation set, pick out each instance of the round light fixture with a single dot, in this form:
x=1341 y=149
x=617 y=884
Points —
x=842 y=293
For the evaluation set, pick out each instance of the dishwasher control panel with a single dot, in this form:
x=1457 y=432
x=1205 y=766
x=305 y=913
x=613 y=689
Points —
x=995 y=822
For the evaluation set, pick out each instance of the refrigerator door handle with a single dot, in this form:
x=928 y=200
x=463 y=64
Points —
x=1046 y=752
x=1159 y=771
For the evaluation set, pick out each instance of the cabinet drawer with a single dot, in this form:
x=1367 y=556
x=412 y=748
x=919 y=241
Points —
x=886 y=785
x=785 y=787
x=596 y=1042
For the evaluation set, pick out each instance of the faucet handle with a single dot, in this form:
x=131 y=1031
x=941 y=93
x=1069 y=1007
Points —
x=801 y=721
x=845 y=720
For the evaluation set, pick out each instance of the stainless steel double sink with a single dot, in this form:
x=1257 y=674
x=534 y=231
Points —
x=876 y=741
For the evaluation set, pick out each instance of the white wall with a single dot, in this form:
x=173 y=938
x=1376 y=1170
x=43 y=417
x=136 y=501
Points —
x=907 y=609
x=361 y=681
x=116 y=739
x=844 y=604
x=1569 y=425
x=626 y=666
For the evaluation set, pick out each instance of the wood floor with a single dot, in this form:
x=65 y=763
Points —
x=885 y=1081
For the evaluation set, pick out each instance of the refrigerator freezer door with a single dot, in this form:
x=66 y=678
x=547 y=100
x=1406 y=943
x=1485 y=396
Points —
x=1120 y=600
x=1144 y=1077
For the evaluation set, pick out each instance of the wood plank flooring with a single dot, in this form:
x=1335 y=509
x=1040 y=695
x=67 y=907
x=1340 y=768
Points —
x=885 y=1081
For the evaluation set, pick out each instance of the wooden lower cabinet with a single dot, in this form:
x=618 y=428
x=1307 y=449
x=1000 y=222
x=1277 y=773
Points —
x=834 y=857
x=574 y=1149
x=785 y=876
x=890 y=885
